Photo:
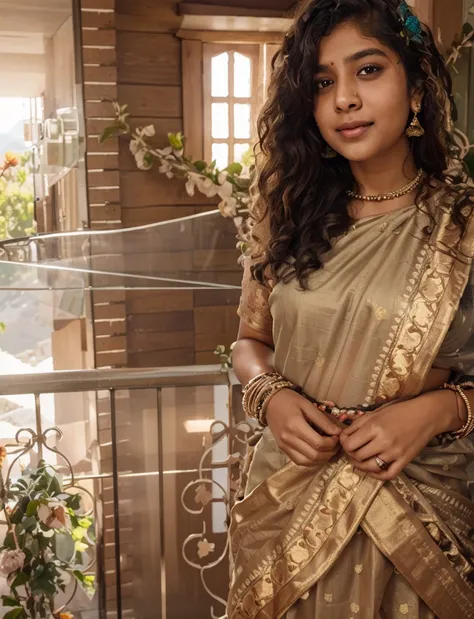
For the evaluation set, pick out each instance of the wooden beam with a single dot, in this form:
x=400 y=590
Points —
x=230 y=36
x=187 y=8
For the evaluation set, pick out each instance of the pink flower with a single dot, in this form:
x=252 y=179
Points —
x=11 y=561
x=53 y=515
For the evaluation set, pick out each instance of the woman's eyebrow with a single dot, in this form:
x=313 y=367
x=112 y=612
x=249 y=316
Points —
x=363 y=53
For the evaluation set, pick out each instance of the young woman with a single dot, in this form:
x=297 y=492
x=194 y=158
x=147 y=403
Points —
x=356 y=340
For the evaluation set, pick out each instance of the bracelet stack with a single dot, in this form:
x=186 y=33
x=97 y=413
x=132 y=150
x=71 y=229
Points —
x=259 y=391
x=468 y=427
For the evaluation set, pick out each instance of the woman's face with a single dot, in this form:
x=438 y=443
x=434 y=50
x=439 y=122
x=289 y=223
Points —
x=362 y=102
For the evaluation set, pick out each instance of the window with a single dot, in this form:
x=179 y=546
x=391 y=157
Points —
x=235 y=82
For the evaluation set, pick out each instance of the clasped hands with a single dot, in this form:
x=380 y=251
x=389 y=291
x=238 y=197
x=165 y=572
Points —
x=396 y=432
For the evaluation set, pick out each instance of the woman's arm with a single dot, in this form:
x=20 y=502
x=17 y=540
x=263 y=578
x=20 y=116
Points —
x=252 y=353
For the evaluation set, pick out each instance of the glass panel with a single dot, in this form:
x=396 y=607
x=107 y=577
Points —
x=220 y=153
x=220 y=120
x=242 y=75
x=220 y=75
x=239 y=150
x=241 y=120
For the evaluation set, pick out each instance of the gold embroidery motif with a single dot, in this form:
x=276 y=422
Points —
x=358 y=569
x=355 y=607
x=328 y=597
x=319 y=361
x=379 y=311
x=403 y=609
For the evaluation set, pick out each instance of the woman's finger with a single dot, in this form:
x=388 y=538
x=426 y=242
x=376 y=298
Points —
x=314 y=439
x=355 y=441
x=369 y=450
x=321 y=420
x=393 y=470
x=298 y=458
x=357 y=424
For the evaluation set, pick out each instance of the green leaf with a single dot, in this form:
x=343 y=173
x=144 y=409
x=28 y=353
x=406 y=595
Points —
x=235 y=169
x=10 y=601
x=13 y=614
x=32 y=508
x=9 y=541
x=43 y=586
x=176 y=140
x=20 y=579
x=200 y=165
x=109 y=132
x=29 y=524
x=85 y=523
x=74 y=502
x=79 y=575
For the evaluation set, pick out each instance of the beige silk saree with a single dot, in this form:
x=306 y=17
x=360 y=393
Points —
x=330 y=542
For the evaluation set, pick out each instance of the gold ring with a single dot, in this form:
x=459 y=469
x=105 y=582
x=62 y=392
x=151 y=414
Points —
x=383 y=466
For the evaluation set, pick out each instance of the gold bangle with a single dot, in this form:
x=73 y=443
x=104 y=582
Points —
x=468 y=426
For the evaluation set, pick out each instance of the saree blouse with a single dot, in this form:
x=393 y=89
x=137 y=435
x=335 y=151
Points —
x=328 y=338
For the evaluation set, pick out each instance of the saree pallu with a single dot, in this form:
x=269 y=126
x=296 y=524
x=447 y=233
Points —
x=330 y=542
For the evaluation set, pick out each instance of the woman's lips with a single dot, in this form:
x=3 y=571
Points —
x=356 y=132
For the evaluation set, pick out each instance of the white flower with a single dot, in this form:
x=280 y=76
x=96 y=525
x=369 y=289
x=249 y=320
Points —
x=166 y=168
x=53 y=515
x=10 y=561
x=226 y=190
x=135 y=146
x=228 y=207
x=165 y=152
x=148 y=131
x=190 y=184
x=222 y=178
x=178 y=153
x=208 y=187
x=142 y=163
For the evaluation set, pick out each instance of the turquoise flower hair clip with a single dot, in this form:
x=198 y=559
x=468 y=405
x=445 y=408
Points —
x=412 y=30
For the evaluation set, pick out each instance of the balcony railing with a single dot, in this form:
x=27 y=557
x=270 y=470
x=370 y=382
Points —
x=160 y=452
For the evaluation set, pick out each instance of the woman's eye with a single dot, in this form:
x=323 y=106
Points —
x=369 y=70
x=322 y=84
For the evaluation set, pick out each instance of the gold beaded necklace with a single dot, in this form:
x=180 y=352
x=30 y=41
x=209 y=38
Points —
x=381 y=197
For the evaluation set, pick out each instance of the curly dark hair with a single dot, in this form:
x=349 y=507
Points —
x=299 y=198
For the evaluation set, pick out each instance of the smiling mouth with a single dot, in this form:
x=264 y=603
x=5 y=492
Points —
x=355 y=132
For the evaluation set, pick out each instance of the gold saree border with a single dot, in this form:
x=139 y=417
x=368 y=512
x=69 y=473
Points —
x=292 y=561
x=401 y=537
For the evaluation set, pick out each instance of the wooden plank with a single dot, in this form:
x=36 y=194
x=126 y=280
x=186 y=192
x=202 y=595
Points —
x=111 y=359
x=163 y=126
x=212 y=323
x=152 y=302
x=98 y=4
x=193 y=103
x=151 y=214
x=108 y=296
x=105 y=225
x=147 y=16
x=104 y=178
x=206 y=298
x=100 y=196
x=155 y=101
x=162 y=321
x=140 y=342
x=230 y=36
x=148 y=58
x=98 y=19
x=102 y=162
x=100 y=74
x=216 y=259
x=282 y=5
x=191 y=8
x=96 y=55
x=108 y=312
x=97 y=92
x=207 y=357
x=98 y=38
x=162 y=358
x=95 y=126
x=94 y=146
x=154 y=189
x=110 y=212
x=110 y=343
x=103 y=109
x=110 y=327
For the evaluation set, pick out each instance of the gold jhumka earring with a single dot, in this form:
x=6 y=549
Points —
x=415 y=130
